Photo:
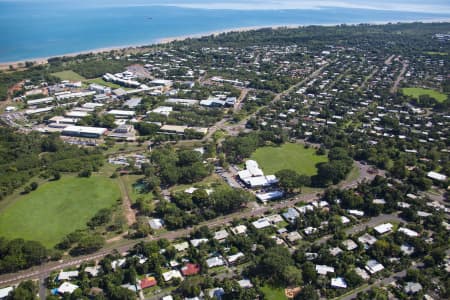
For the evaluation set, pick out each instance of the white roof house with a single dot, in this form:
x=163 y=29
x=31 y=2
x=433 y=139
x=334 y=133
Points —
x=67 y=275
x=156 y=223
x=275 y=218
x=323 y=269
x=240 y=229
x=197 y=242
x=118 y=263
x=245 y=283
x=408 y=232
x=437 y=176
x=221 y=235
x=293 y=236
x=261 y=223
x=168 y=276
x=383 y=228
x=367 y=239
x=215 y=262
x=310 y=230
x=362 y=273
x=345 y=220
x=181 y=246
x=304 y=209
x=169 y=297
x=67 y=287
x=235 y=257
x=338 y=282
x=372 y=266
x=349 y=245
x=412 y=287
x=4 y=292
x=93 y=271
x=355 y=212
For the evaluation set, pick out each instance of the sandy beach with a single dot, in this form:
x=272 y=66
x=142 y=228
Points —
x=44 y=60
x=167 y=40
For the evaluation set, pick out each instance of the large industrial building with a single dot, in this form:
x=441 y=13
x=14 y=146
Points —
x=84 y=131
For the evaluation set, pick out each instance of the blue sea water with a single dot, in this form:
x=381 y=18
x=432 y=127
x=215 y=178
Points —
x=39 y=29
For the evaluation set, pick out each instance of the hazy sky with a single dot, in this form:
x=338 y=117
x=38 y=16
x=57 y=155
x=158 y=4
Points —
x=430 y=6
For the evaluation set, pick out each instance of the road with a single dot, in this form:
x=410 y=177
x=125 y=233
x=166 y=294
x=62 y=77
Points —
x=382 y=281
x=360 y=227
x=45 y=269
x=399 y=77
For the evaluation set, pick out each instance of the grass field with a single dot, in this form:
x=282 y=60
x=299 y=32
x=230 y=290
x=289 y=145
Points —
x=417 y=92
x=57 y=208
x=69 y=75
x=436 y=53
x=288 y=156
x=272 y=293
x=104 y=83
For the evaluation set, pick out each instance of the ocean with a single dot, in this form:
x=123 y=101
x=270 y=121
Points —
x=35 y=29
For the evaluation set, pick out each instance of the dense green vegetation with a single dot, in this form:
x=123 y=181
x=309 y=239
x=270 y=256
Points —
x=288 y=156
x=58 y=208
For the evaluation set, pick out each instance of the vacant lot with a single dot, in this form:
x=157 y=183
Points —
x=69 y=75
x=417 y=92
x=288 y=156
x=57 y=208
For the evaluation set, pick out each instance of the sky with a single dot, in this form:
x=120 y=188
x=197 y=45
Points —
x=425 y=6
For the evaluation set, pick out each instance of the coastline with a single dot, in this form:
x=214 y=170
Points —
x=167 y=40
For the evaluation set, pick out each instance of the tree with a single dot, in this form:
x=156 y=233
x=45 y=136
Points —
x=292 y=276
x=88 y=244
x=27 y=290
x=288 y=179
x=307 y=293
x=309 y=273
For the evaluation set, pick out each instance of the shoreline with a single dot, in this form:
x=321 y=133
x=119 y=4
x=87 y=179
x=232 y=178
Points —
x=168 y=40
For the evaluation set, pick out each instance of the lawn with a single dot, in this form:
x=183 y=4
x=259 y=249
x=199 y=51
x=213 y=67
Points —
x=417 y=92
x=69 y=75
x=57 y=208
x=288 y=156
x=272 y=293
x=104 y=83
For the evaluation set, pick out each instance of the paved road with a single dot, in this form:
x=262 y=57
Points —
x=399 y=77
x=360 y=227
x=383 y=282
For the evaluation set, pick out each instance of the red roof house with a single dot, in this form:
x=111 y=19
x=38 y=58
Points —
x=148 y=282
x=190 y=269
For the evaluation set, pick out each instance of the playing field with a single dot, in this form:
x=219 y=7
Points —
x=69 y=75
x=288 y=156
x=57 y=208
x=417 y=92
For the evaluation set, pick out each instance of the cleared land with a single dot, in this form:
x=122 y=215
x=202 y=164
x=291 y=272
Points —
x=288 y=156
x=69 y=75
x=57 y=208
x=417 y=92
